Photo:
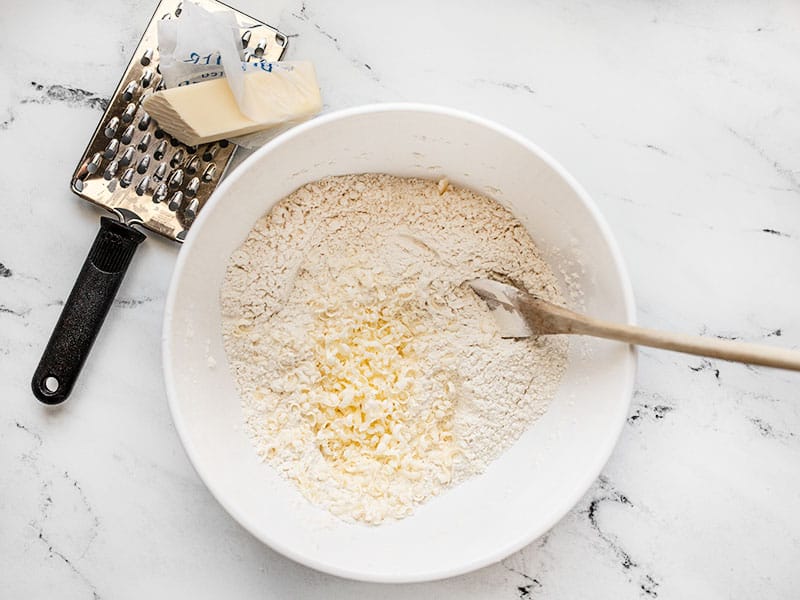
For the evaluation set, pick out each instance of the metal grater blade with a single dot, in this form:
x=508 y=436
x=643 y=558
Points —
x=136 y=170
x=147 y=178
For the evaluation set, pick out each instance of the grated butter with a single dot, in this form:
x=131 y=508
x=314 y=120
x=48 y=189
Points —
x=370 y=376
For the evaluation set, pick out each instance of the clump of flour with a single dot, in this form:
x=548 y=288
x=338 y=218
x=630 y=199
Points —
x=370 y=375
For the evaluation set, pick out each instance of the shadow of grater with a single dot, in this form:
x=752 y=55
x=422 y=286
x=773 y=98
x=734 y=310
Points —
x=146 y=178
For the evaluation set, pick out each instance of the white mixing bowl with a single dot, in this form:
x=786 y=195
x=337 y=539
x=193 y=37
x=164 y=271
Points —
x=530 y=487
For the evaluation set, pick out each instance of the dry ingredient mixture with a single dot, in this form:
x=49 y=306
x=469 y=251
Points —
x=370 y=374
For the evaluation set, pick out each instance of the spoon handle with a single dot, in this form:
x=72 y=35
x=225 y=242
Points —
x=546 y=317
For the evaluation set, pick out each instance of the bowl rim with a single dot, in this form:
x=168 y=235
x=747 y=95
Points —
x=498 y=553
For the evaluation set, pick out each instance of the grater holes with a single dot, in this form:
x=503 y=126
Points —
x=258 y=51
x=110 y=170
x=210 y=152
x=147 y=57
x=161 y=150
x=160 y=171
x=111 y=149
x=130 y=173
x=129 y=91
x=111 y=127
x=144 y=142
x=144 y=121
x=94 y=163
x=191 y=211
x=175 y=201
x=177 y=158
x=127 y=178
x=192 y=187
x=142 y=186
x=192 y=165
x=144 y=164
x=280 y=39
x=175 y=179
x=147 y=77
x=160 y=193
x=127 y=135
x=127 y=157
x=224 y=143
x=127 y=115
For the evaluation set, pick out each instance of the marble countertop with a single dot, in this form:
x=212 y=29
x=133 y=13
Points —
x=680 y=118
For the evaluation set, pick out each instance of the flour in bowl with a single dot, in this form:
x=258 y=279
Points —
x=371 y=375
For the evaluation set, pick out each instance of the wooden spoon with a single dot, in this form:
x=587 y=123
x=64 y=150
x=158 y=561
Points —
x=519 y=314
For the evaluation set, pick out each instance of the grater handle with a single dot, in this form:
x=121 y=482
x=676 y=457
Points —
x=85 y=310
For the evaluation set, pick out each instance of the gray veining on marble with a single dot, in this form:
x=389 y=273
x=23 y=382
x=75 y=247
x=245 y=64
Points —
x=681 y=119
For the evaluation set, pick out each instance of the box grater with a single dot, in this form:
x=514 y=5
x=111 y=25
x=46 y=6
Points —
x=147 y=178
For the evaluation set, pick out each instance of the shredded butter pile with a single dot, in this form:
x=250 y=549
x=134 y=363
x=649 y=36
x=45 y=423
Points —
x=371 y=376
x=362 y=405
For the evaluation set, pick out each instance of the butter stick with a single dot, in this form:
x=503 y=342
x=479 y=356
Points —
x=207 y=111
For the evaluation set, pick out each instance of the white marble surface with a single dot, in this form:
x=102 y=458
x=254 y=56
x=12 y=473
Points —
x=681 y=119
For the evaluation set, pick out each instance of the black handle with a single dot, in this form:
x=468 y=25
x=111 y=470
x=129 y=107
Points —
x=85 y=310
